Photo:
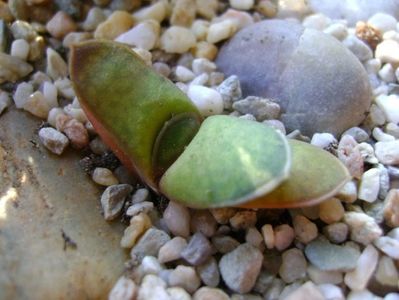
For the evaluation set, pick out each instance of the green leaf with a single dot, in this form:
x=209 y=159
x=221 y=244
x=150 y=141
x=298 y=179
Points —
x=172 y=140
x=127 y=102
x=316 y=175
x=229 y=162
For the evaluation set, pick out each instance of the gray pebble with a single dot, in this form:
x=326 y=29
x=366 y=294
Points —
x=336 y=232
x=209 y=272
x=140 y=195
x=243 y=219
x=240 y=267
x=261 y=108
x=359 y=134
x=177 y=219
x=125 y=176
x=71 y=7
x=185 y=277
x=203 y=221
x=149 y=244
x=53 y=140
x=198 y=249
x=98 y=146
x=230 y=89
x=363 y=228
x=224 y=243
x=274 y=290
x=113 y=199
x=136 y=208
x=330 y=257
x=263 y=282
x=293 y=266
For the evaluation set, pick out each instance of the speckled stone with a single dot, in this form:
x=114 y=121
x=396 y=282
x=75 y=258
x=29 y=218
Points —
x=322 y=88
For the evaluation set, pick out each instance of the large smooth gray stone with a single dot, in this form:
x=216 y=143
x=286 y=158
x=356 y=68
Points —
x=320 y=85
x=41 y=196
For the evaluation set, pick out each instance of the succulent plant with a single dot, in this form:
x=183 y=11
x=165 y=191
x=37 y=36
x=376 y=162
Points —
x=159 y=134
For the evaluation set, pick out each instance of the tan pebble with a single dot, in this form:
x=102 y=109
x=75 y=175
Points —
x=37 y=105
x=220 y=31
x=156 y=11
x=60 y=25
x=52 y=115
x=331 y=211
x=268 y=235
x=267 y=8
x=200 y=29
x=183 y=13
x=103 y=176
x=77 y=133
x=222 y=215
x=177 y=39
x=5 y=13
x=56 y=66
x=13 y=68
x=205 y=50
x=75 y=37
x=36 y=49
x=208 y=293
x=283 y=236
x=144 y=54
x=207 y=8
x=138 y=225
x=116 y=24
x=391 y=208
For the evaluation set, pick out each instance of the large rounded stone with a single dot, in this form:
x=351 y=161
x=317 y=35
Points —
x=54 y=243
x=320 y=85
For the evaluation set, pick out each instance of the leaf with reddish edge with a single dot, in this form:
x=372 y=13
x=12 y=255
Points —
x=316 y=175
x=230 y=161
x=127 y=102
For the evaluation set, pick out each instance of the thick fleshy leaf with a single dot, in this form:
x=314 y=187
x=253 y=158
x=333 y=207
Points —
x=127 y=102
x=316 y=175
x=172 y=140
x=229 y=162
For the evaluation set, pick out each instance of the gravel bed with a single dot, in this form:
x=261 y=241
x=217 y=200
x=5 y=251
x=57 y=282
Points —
x=345 y=248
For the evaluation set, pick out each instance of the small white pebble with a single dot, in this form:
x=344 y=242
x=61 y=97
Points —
x=184 y=74
x=337 y=30
x=331 y=292
x=208 y=101
x=366 y=264
x=388 y=245
x=185 y=277
x=140 y=195
x=200 y=29
x=156 y=11
x=388 y=51
x=52 y=115
x=389 y=105
x=348 y=193
x=76 y=113
x=381 y=136
x=22 y=93
x=242 y=4
x=144 y=35
x=140 y=207
x=150 y=265
x=20 y=49
x=123 y=289
x=203 y=65
x=387 y=152
x=104 y=176
x=387 y=73
x=177 y=219
x=372 y=66
x=363 y=228
x=201 y=79
x=382 y=22
x=50 y=93
x=369 y=185
x=323 y=140
x=220 y=31
x=53 y=140
x=65 y=89
x=56 y=66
